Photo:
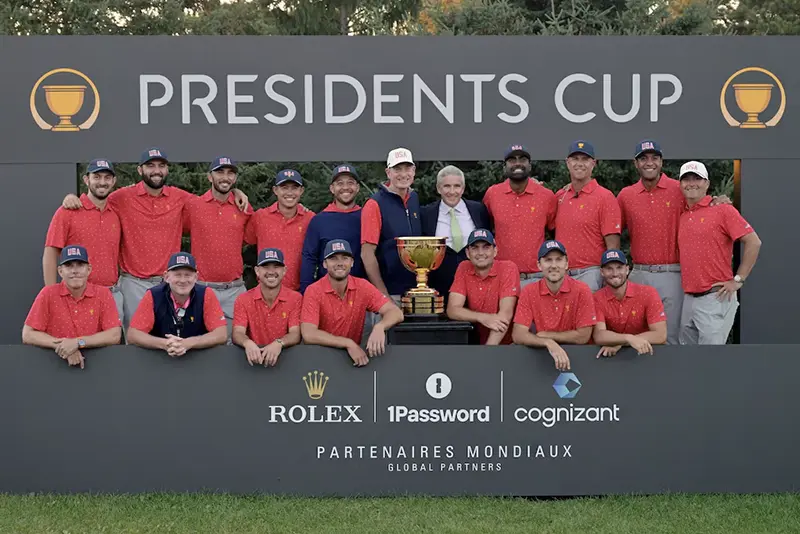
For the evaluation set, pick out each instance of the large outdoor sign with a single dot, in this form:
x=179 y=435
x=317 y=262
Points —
x=339 y=98
x=432 y=420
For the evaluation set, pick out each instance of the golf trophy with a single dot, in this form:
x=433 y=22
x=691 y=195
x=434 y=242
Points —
x=422 y=255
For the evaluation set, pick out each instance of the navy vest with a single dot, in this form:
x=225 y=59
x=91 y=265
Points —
x=166 y=321
x=396 y=221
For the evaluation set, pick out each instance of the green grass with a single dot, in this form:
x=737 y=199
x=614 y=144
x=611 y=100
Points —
x=220 y=514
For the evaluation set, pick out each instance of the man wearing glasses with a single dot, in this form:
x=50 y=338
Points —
x=179 y=314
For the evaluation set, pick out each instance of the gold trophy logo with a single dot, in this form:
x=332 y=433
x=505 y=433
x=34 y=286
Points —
x=752 y=99
x=422 y=255
x=65 y=101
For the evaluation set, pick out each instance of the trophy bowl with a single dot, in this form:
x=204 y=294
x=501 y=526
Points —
x=752 y=98
x=421 y=255
x=64 y=101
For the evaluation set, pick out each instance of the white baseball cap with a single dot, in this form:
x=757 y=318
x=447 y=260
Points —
x=696 y=167
x=399 y=155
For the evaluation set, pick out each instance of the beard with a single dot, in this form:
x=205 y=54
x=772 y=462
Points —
x=524 y=175
x=220 y=191
x=151 y=183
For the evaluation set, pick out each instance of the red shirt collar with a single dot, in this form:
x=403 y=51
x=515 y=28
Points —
x=301 y=210
x=566 y=286
x=704 y=203
x=492 y=271
x=88 y=292
x=140 y=190
x=660 y=184
x=326 y=286
x=208 y=196
x=530 y=188
x=282 y=293
x=175 y=305
x=333 y=208
x=631 y=291
x=589 y=188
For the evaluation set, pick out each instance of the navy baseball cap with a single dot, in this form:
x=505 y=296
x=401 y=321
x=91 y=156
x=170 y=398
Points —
x=270 y=255
x=221 y=162
x=613 y=255
x=480 y=234
x=73 y=253
x=181 y=260
x=288 y=175
x=549 y=246
x=648 y=145
x=344 y=168
x=97 y=165
x=582 y=147
x=153 y=153
x=337 y=246
x=516 y=150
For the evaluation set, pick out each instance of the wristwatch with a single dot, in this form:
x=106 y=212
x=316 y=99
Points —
x=81 y=343
x=738 y=279
x=279 y=341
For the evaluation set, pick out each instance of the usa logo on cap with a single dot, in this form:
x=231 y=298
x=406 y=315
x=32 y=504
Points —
x=552 y=244
x=182 y=260
x=647 y=145
x=612 y=254
x=102 y=163
x=224 y=161
x=337 y=246
x=154 y=153
x=516 y=147
x=480 y=233
x=73 y=251
x=270 y=255
x=344 y=168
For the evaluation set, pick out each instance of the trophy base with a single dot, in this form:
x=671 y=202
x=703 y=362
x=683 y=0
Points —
x=421 y=303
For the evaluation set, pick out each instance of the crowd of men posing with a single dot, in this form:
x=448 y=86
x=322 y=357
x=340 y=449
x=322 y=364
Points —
x=527 y=265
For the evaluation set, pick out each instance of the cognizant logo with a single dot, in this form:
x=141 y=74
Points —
x=567 y=386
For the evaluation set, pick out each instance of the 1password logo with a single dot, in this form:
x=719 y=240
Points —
x=438 y=385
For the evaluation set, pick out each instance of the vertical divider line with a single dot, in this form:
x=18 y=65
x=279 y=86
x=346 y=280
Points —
x=374 y=396
x=501 y=396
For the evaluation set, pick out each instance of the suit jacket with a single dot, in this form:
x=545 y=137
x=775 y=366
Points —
x=442 y=278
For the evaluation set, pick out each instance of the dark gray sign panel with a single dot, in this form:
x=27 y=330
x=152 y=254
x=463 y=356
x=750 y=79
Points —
x=69 y=99
x=430 y=420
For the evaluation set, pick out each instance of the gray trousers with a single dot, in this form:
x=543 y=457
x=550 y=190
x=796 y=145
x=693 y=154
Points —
x=666 y=279
x=119 y=300
x=531 y=278
x=590 y=276
x=707 y=320
x=227 y=292
x=133 y=290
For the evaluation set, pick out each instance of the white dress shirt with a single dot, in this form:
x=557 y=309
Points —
x=464 y=222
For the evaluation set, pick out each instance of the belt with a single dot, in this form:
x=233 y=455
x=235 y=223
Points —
x=157 y=279
x=224 y=285
x=529 y=276
x=671 y=268
x=704 y=293
x=576 y=272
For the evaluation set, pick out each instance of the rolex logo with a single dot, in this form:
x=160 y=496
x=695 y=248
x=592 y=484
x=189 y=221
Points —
x=315 y=384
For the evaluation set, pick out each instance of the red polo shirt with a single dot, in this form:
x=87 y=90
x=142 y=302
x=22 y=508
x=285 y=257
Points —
x=569 y=309
x=583 y=221
x=520 y=221
x=484 y=294
x=265 y=323
x=341 y=316
x=56 y=312
x=151 y=227
x=652 y=219
x=213 y=317
x=706 y=238
x=98 y=231
x=217 y=230
x=371 y=220
x=268 y=228
x=640 y=308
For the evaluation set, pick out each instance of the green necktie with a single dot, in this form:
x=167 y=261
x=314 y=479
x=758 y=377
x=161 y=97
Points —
x=455 y=231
